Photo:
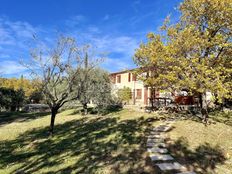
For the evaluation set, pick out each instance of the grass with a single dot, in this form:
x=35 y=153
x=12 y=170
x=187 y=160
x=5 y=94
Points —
x=82 y=144
x=206 y=149
x=114 y=143
x=222 y=117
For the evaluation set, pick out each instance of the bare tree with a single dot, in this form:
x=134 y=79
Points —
x=58 y=69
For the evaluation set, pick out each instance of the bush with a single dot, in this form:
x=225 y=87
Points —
x=124 y=94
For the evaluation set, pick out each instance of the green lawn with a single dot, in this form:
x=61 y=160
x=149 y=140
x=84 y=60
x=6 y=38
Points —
x=114 y=143
x=82 y=144
x=206 y=149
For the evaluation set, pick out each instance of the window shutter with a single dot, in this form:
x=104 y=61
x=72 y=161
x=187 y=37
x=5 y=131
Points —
x=139 y=93
x=133 y=77
x=119 y=79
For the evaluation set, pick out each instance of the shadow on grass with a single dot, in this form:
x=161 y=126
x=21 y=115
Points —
x=94 y=111
x=203 y=159
x=81 y=146
x=222 y=117
x=9 y=117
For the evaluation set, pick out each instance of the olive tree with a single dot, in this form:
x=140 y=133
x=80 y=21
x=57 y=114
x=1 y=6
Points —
x=57 y=68
x=101 y=89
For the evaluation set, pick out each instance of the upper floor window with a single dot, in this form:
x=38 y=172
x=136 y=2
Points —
x=129 y=77
x=133 y=77
x=118 y=78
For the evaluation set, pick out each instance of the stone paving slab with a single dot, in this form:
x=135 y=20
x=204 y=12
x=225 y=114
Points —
x=170 y=166
x=156 y=145
x=159 y=144
x=156 y=136
x=161 y=157
x=151 y=144
x=155 y=140
x=187 y=173
x=162 y=129
x=157 y=150
x=155 y=133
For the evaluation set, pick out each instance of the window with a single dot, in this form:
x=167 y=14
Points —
x=119 y=79
x=133 y=77
x=129 y=77
x=138 y=93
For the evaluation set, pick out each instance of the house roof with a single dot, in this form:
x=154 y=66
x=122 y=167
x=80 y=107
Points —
x=124 y=71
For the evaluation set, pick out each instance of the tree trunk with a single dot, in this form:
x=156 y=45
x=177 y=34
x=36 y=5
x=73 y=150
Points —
x=204 y=109
x=216 y=102
x=200 y=100
x=13 y=108
x=222 y=105
x=205 y=115
x=153 y=95
x=85 y=108
x=53 y=116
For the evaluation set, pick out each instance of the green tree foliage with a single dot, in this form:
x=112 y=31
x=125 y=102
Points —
x=101 y=95
x=19 y=99
x=11 y=99
x=124 y=94
x=36 y=97
x=6 y=98
x=84 y=82
x=93 y=84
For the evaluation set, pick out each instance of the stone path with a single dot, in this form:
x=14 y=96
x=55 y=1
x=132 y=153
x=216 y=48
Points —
x=159 y=154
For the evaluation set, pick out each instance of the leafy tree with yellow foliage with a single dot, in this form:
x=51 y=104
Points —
x=156 y=65
x=28 y=86
x=196 y=52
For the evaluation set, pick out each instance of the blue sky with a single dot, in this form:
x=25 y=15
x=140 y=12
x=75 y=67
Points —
x=115 y=28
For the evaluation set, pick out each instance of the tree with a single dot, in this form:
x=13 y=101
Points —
x=101 y=94
x=155 y=65
x=124 y=94
x=36 y=97
x=85 y=82
x=18 y=99
x=6 y=98
x=58 y=69
x=197 y=50
x=28 y=86
x=85 y=88
x=204 y=33
x=11 y=99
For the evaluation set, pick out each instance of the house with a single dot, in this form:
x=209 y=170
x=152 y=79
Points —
x=141 y=95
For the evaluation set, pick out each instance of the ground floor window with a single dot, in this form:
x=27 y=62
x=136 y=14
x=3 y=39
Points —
x=138 y=93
